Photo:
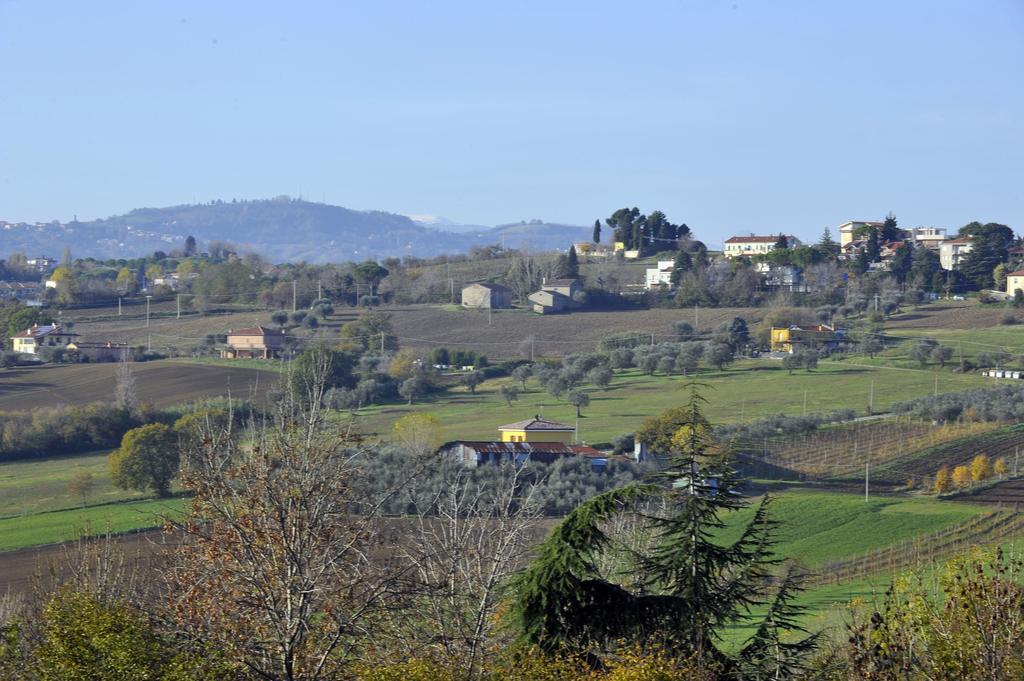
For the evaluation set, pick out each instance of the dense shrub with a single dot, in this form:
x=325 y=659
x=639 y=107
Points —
x=999 y=403
x=560 y=486
x=780 y=424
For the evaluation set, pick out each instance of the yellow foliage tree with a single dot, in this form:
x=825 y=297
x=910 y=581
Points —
x=154 y=272
x=999 y=467
x=981 y=469
x=404 y=364
x=419 y=433
x=943 y=483
x=961 y=476
x=125 y=280
x=62 y=274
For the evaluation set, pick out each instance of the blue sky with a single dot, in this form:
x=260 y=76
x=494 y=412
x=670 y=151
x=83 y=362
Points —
x=730 y=116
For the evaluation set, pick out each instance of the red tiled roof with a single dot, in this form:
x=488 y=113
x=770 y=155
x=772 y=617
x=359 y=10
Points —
x=40 y=331
x=256 y=331
x=490 y=286
x=752 y=239
x=1017 y=273
x=536 y=423
x=496 y=447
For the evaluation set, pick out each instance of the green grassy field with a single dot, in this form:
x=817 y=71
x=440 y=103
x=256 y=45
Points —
x=969 y=341
x=39 y=485
x=61 y=526
x=816 y=527
x=746 y=390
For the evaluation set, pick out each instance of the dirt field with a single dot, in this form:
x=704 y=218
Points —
x=948 y=314
x=506 y=334
x=20 y=569
x=161 y=383
x=510 y=332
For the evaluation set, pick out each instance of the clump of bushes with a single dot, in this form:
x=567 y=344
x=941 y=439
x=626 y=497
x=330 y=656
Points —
x=1004 y=403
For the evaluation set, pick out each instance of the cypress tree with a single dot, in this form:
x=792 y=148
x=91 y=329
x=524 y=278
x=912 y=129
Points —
x=597 y=231
x=873 y=247
x=572 y=264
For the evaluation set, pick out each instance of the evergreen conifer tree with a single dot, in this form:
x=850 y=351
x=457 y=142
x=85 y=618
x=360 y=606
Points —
x=572 y=264
x=873 y=247
x=683 y=263
x=687 y=587
x=597 y=231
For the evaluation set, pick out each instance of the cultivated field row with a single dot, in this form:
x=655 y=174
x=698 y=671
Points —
x=843 y=450
x=923 y=551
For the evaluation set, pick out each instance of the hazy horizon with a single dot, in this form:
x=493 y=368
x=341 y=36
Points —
x=731 y=117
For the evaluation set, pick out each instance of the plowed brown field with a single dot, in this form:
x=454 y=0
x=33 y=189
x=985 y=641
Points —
x=159 y=383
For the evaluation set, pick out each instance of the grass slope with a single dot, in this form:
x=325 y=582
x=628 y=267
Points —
x=39 y=485
x=62 y=526
x=816 y=527
x=746 y=390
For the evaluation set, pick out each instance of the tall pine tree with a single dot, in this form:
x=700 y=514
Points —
x=687 y=587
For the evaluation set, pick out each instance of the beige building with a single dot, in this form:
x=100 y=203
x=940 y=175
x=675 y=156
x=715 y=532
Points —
x=546 y=302
x=952 y=252
x=31 y=339
x=928 y=237
x=257 y=342
x=1014 y=282
x=484 y=296
x=847 y=229
x=739 y=246
x=567 y=287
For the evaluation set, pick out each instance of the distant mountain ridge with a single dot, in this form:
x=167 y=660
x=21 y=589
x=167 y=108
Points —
x=282 y=229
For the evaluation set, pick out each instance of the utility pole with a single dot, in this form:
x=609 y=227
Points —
x=319 y=289
x=295 y=295
x=119 y=306
x=147 y=309
x=871 y=399
x=652 y=339
x=177 y=299
x=451 y=291
x=867 y=478
x=936 y=382
x=382 y=342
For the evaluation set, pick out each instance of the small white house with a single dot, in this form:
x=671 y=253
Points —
x=660 y=275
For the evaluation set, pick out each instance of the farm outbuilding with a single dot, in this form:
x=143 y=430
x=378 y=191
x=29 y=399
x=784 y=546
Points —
x=485 y=296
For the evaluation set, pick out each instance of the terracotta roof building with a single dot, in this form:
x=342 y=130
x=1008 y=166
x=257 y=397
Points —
x=257 y=342
x=737 y=246
x=49 y=335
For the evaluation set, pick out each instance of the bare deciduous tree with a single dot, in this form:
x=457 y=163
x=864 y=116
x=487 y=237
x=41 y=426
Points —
x=283 y=562
x=124 y=390
x=467 y=539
